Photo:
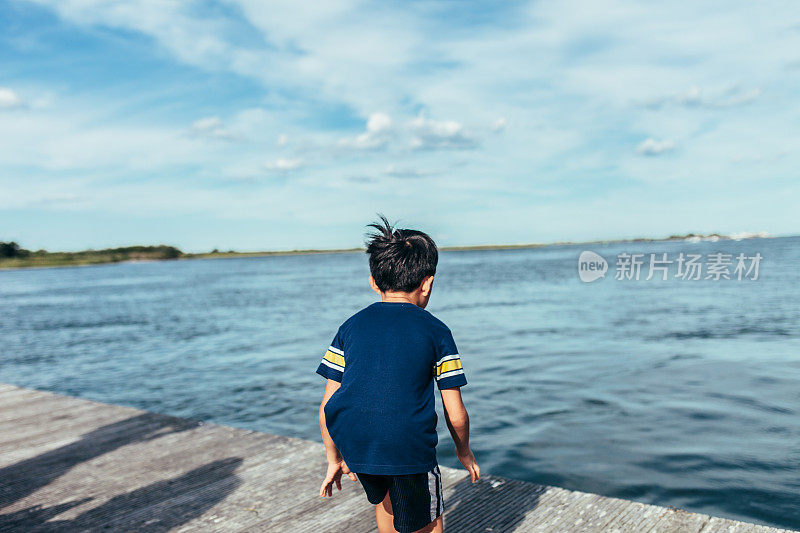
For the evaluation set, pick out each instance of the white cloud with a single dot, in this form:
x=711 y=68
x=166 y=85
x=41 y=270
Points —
x=652 y=146
x=211 y=127
x=282 y=139
x=207 y=123
x=420 y=133
x=9 y=99
x=76 y=137
x=284 y=164
x=499 y=124
x=379 y=131
x=428 y=134
x=378 y=123
x=343 y=41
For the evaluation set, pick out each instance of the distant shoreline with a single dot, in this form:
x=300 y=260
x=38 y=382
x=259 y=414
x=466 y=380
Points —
x=44 y=259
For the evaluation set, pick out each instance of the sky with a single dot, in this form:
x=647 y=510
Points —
x=277 y=125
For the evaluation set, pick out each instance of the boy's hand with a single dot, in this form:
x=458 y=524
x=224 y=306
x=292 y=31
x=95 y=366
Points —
x=468 y=460
x=334 y=475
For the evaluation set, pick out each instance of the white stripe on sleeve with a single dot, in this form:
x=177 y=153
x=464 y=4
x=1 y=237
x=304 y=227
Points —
x=450 y=373
x=447 y=358
x=333 y=365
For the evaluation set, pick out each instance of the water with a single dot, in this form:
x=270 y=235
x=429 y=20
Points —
x=680 y=393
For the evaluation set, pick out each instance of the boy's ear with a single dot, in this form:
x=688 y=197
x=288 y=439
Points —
x=427 y=285
x=374 y=285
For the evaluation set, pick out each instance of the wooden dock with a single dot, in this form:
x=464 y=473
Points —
x=68 y=464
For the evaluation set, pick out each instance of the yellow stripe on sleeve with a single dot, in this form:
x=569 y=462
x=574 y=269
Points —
x=447 y=366
x=334 y=358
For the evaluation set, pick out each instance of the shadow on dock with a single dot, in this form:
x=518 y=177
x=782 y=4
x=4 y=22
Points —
x=26 y=477
x=160 y=506
x=491 y=504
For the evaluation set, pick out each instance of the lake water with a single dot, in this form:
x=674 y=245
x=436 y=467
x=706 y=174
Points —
x=677 y=392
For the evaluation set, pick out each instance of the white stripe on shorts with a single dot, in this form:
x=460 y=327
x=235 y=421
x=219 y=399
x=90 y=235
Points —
x=435 y=490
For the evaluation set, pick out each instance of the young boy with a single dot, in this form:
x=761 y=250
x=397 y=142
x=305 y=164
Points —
x=377 y=415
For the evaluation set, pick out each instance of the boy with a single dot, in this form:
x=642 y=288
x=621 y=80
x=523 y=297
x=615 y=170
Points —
x=377 y=415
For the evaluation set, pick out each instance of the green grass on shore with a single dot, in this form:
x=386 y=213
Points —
x=213 y=255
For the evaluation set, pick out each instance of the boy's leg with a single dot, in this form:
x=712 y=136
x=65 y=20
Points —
x=385 y=519
x=384 y=516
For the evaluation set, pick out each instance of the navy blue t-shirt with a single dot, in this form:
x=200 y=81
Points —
x=387 y=357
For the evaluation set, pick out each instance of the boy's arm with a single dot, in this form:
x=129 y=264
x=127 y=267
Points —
x=336 y=466
x=331 y=451
x=457 y=418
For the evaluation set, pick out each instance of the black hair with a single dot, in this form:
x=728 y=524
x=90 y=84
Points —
x=399 y=259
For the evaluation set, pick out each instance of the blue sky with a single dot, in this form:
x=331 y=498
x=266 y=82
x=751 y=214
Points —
x=257 y=125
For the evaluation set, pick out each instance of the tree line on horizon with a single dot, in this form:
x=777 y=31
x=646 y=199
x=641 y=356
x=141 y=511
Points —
x=12 y=249
x=11 y=252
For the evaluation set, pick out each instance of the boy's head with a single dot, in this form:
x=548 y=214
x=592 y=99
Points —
x=400 y=260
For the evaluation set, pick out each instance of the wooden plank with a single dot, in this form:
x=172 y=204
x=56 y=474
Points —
x=94 y=425
x=723 y=525
x=60 y=425
x=11 y=404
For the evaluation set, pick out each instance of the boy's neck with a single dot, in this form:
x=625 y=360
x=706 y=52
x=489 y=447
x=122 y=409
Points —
x=403 y=297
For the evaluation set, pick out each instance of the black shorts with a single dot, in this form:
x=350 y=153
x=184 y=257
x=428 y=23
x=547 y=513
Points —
x=416 y=498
